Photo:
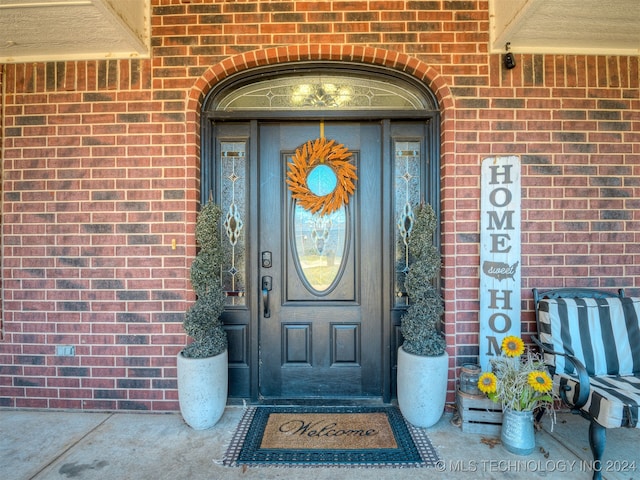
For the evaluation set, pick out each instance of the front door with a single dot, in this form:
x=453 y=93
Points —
x=320 y=277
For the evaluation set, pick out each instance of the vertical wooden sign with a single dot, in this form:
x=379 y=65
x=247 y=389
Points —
x=500 y=287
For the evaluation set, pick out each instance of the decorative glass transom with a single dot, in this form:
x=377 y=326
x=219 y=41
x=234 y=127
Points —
x=322 y=92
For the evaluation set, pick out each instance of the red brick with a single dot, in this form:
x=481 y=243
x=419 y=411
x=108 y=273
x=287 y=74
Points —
x=121 y=127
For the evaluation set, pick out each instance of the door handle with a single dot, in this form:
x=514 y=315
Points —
x=267 y=285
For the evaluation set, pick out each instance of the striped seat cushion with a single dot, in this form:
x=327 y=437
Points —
x=613 y=401
x=603 y=333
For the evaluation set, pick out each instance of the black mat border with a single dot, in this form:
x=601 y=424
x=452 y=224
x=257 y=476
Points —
x=414 y=447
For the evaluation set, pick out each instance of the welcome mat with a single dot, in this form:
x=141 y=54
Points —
x=328 y=436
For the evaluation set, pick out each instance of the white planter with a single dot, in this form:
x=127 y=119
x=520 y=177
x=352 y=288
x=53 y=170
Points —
x=422 y=387
x=202 y=389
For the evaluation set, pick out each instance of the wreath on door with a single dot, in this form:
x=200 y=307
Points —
x=311 y=155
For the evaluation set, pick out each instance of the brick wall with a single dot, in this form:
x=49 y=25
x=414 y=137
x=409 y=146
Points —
x=573 y=120
x=101 y=177
x=95 y=191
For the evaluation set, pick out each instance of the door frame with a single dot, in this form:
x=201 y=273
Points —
x=244 y=367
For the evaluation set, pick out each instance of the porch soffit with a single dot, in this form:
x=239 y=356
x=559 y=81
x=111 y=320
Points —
x=59 y=30
x=593 y=27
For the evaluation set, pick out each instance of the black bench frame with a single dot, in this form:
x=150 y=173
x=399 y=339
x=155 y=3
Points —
x=597 y=433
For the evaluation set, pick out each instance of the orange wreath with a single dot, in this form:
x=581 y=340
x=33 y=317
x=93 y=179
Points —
x=310 y=155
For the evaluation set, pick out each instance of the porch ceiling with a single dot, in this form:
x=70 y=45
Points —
x=605 y=27
x=57 y=30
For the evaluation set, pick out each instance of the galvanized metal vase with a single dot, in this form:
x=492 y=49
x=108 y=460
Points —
x=517 y=433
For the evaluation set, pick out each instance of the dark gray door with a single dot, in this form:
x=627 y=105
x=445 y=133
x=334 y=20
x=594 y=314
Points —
x=320 y=312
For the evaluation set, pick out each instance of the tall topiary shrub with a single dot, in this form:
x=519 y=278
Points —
x=202 y=321
x=420 y=325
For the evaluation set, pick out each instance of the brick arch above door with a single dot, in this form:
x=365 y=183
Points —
x=322 y=53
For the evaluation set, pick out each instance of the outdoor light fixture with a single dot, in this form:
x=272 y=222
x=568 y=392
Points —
x=509 y=60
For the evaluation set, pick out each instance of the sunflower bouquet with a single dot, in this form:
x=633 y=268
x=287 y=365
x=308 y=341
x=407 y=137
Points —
x=518 y=380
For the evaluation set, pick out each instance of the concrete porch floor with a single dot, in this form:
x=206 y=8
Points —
x=76 y=445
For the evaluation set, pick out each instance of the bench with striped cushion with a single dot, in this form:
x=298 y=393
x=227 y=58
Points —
x=591 y=343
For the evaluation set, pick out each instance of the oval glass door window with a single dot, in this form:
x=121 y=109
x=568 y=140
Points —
x=322 y=180
x=320 y=243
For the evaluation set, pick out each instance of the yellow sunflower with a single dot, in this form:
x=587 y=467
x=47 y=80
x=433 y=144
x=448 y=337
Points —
x=512 y=346
x=540 y=381
x=488 y=382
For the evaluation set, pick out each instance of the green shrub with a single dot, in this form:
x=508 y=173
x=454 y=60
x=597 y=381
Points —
x=420 y=325
x=202 y=321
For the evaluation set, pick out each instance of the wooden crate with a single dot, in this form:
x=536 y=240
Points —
x=479 y=414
